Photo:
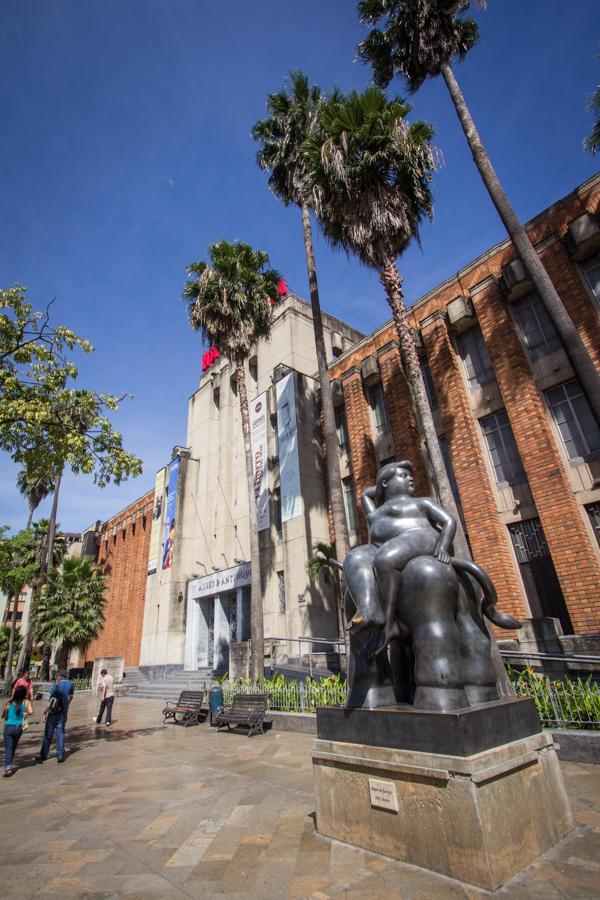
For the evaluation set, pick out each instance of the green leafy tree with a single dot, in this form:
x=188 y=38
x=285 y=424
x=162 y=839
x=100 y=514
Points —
x=71 y=609
x=370 y=182
x=46 y=424
x=293 y=115
x=420 y=39
x=35 y=488
x=229 y=302
x=17 y=568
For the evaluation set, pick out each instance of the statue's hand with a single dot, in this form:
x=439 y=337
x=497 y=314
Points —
x=442 y=554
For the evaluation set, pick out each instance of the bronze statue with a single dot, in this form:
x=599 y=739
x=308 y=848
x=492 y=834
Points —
x=418 y=610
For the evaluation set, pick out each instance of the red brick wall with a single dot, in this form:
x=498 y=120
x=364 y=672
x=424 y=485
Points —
x=575 y=554
x=124 y=559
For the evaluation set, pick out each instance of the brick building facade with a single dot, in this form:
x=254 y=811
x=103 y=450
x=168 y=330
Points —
x=518 y=436
x=124 y=542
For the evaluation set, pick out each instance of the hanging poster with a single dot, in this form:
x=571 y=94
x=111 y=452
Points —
x=289 y=463
x=258 y=435
x=157 y=520
x=169 y=534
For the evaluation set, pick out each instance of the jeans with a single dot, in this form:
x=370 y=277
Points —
x=12 y=735
x=106 y=705
x=54 y=722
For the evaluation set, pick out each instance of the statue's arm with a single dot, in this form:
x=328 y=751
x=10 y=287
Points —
x=438 y=515
x=368 y=501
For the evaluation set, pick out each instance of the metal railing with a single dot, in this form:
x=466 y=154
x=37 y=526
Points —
x=562 y=704
x=276 y=651
x=572 y=658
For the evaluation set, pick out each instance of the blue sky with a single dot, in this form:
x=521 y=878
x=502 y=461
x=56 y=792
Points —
x=125 y=150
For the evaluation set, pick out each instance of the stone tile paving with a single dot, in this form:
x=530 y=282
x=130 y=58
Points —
x=142 y=811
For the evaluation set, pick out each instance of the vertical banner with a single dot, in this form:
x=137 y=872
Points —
x=289 y=463
x=169 y=536
x=157 y=520
x=258 y=434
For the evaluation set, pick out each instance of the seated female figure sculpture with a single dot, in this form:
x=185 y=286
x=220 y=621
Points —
x=414 y=535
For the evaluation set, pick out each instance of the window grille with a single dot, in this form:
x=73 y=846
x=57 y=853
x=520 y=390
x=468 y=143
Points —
x=350 y=504
x=593 y=511
x=504 y=455
x=430 y=389
x=379 y=408
x=475 y=357
x=539 y=333
x=342 y=429
x=591 y=272
x=574 y=419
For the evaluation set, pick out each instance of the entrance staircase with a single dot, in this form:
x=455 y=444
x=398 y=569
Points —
x=162 y=682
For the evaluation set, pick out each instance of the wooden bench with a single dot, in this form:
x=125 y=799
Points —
x=186 y=710
x=246 y=709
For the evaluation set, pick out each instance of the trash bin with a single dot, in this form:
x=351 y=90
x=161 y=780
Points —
x=215 y=701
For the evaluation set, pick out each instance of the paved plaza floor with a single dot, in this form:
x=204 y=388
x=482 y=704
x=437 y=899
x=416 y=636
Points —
x=138 y=810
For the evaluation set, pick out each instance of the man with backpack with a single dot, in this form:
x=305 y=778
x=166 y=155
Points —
x=56 y=713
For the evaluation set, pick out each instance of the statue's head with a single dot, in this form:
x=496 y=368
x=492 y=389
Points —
x=393 y=480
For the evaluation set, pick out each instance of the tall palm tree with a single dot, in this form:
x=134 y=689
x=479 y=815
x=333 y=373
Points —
x=369 y=180
x=70 y=612
x=35 y=487
x=47 y=558
x=293 y=117
x=592 y=141
x=17 y=567
x=229 y=301
x=419 y=40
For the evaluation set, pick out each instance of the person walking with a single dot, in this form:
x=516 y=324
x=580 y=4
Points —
x=14 y=714
x=61 y=695
x=107 y=698
x=24 y=680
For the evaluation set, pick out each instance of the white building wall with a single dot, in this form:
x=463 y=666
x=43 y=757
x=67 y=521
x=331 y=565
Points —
x=212 y=531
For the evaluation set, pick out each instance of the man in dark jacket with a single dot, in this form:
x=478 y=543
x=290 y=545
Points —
x=56 y=713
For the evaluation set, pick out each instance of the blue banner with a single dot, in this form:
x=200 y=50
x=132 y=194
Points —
x=169 y=538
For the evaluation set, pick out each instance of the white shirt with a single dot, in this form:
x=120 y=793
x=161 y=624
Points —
x=108 y=686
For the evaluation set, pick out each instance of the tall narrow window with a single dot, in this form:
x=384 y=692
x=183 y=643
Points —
x=342 y=429
x=591 y=272
x=537 y=328
x=281 y=582
x=574 y=419
x=426 y=372
x=475 y=357
x=593 y=511
x=379 y=408
x=350 y=504
x=506 y=461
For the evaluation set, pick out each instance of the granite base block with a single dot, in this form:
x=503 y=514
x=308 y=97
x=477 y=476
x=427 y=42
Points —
x=480 y=819
x=457 y=732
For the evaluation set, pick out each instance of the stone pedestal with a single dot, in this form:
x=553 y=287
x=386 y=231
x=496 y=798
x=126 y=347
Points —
x=480 y=818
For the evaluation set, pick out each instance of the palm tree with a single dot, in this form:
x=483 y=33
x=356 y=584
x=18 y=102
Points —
x=70 y=612
x=419 y=40
x=592 y=141
x=36 y=488
x=47 y=559
x=229 y=301
x=293 y=117
x=369 y=177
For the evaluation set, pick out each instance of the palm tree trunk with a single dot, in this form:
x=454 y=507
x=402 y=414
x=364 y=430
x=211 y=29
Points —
x=392 y=284
x=334 y=478
x=47 y=564
x=257 y=633
x=11 y=643
x=410 y=361
x=573 y=345
x=30 y=517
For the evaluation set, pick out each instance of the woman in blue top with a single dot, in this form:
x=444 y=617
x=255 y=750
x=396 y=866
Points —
x=15 y=713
